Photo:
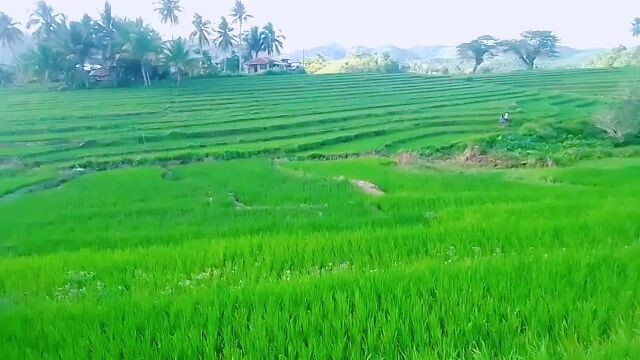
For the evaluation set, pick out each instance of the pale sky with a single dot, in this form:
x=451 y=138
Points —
x=309 y=23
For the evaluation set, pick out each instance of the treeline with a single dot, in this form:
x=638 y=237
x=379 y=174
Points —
x=117 y=51
x=531 y=46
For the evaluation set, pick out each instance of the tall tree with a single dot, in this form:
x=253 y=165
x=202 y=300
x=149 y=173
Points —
x=41 y=61
x=77 y=44
x=9 y=32
x=142 y=46
x=168 y=11
x=240 y=15
x=106 y=28
x=46 y=20
x=533 y=45
x=635 y=27
x=177 y=56
x=202 y=31
x=477 y=50
x=253 y=42
x=272 y=41
x=225 y=39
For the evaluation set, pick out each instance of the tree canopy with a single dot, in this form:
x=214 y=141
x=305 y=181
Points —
x=70 y=52
x=45 y=20
x=253 y=42
x=635 y=27
x=202 y=31
x=272 y=40
x=532 y=45
x=477 y=50
x=177 y=56
x=168 y=11
x=9 y=32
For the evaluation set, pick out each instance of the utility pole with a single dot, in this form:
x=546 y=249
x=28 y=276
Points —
x=303 y=64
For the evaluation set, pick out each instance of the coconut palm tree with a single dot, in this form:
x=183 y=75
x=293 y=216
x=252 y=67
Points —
x=253 y=42
x=77 y=44
x=168 y=11
x=225 y=39
x=202 y=31
x=9 y=32
x=240 y=15
x=45 y=19
x=41 y=60
x=635 y=27
x=142 y=46
x=272 y=41
x=106 y=28
x=177 y=56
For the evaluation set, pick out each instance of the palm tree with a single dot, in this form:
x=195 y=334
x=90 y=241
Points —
x=240 y=15
x=78 y=46
x=272 y=41
x=140 y=25
x=106 y=28
x=142 y=46
x=41 y=60
x=177 y=56
x=253 y=42
x=202 y=31
x=225 y=40
x=635 y=27
x=46 y=20
x=9 y=32
x=169 y=10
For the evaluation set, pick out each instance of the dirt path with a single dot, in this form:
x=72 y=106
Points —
x=368 y=187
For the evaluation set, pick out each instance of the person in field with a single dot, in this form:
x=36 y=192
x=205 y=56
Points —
x=504 y=119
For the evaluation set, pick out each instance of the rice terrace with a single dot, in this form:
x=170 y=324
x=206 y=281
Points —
x=356 y=215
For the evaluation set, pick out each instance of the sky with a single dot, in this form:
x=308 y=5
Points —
x=405 y=23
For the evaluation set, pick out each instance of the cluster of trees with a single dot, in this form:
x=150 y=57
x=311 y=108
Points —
x=131 y=50
x=531 y=46
x=619 y=57
x=316 y=64
x=364 y=62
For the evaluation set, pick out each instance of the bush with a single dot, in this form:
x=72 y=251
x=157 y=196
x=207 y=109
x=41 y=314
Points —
x=621 y=120
x=367 y=63
x=618 y=57
x=539 y=130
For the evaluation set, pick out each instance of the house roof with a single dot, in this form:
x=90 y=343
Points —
x=258 y=61
x=103 y=71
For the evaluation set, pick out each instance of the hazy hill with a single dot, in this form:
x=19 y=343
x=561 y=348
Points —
x=336 y=51
x=440 y=56
x=332 y=51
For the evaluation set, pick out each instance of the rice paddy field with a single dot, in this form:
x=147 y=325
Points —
x=199 y=222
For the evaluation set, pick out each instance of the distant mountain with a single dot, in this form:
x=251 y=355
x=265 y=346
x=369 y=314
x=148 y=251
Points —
x=336 y=51
x=395 y=52
x=332 y=51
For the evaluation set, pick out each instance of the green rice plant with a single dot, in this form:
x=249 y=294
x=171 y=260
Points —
x=203 y=238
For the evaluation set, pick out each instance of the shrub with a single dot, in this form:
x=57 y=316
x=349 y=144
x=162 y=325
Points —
x=621 y=120
x=539 y=130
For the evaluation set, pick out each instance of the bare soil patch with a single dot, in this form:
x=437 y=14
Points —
x=368 y=187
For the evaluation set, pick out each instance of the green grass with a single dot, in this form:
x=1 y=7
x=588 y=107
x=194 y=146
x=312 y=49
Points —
x=263 y=258
x=289 y=114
